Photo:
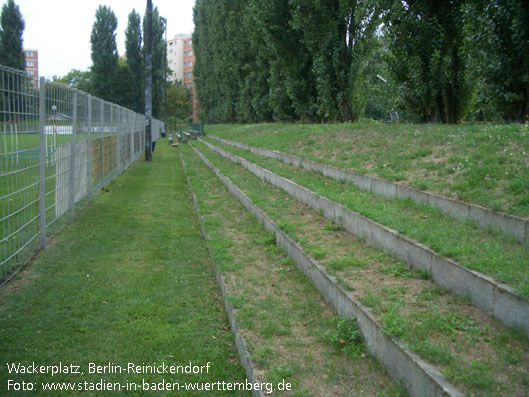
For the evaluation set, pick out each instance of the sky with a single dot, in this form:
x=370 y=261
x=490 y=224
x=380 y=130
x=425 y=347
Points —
x=60 y=29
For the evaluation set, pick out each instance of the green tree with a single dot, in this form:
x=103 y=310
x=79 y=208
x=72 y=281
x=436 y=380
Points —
x=288 y=63
x=499 y=33
x=78 y=79
x=426 y=41
x=380 y=95
x=104 y=52
x=133 y=46
x=122 y=86
x=216 y=79
x=339 y=35
x=11 y=29
x=259 y=60
x=179 y=104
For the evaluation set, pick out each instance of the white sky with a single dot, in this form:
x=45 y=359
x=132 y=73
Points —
x=60 y=29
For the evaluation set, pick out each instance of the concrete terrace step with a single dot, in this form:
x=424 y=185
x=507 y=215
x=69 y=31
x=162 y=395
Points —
x=485 y=217
x=485 y=292
x=419 y=377
x=261 y=283
x=369 y=280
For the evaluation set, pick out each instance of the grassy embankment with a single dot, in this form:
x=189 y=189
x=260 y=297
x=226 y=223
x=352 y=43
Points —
x=470 y=348
x=473 y=247
x=484 y=164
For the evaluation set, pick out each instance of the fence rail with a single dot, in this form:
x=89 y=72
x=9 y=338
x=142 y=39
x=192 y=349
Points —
x=57 y=147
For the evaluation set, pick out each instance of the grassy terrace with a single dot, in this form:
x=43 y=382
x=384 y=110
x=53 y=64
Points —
x=487 y=252
x=291 y=333
x=129 y=281
x=477 y=354
x=484 y=164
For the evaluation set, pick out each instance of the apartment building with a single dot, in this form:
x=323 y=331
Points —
x=181 y=59
x=175 y=56
x=32 y=65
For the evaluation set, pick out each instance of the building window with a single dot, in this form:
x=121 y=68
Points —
x=189 y=75
x=190 y=53
x=30 y=63
x=190 y=63
x=189 y=86
x=31 y=72
x=189 y=42
x=30 y=54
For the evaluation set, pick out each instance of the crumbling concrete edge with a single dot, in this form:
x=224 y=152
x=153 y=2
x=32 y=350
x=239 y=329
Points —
x=486 y=293
x=244 y=355
x=514 y=226
x=419 y=377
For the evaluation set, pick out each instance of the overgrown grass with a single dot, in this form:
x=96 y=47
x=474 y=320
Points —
x=481 y=163
x=488 y=252
x=290 y=331
x=129 y=281
x=442 y=328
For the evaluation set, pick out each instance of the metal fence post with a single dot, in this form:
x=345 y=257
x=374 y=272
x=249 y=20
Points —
x=89 y=147
x=118 y=142
x=134 y=136
x=111 y=151
x=72 y=158
x=102 y=144
x=42 y=162
x=131 y=134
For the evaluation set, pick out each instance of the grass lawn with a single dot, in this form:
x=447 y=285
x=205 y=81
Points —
x=484 y=164
x=130 y=281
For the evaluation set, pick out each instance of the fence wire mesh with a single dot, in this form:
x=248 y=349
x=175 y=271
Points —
x=57 y=147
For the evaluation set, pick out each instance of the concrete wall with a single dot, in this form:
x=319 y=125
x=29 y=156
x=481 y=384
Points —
x=485 y=217
x=419 y=377
x=485 y=292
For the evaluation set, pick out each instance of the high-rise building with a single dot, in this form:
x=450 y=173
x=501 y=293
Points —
x=181 y=60
x=175 y=56
x=32 y=65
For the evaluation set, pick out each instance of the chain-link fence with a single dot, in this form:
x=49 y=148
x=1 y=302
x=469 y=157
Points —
x=57 y=146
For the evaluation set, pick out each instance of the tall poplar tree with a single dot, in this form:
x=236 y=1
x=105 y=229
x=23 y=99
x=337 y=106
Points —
x=426 y=41
x=292 y=89
x=11 y=29
x=340 y=36
x=215 y=83
x=499 y=56
x=104 y=52
x=133 y=46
